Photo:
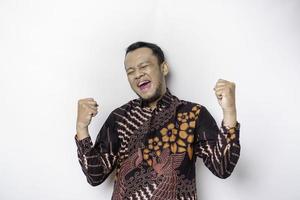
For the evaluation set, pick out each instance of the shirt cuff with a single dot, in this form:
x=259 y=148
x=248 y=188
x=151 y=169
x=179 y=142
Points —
x=231 y=133
x=83 y=145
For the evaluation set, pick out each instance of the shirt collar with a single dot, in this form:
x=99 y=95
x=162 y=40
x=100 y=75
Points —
x=165 y=100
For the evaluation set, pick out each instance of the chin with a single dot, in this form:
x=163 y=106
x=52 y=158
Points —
x=147 y=96
x=144 y=96
x=151 y=96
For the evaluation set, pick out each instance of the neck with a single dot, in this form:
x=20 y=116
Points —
x=153 y=104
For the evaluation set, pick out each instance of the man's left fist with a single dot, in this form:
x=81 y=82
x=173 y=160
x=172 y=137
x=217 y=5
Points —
x=225 y=93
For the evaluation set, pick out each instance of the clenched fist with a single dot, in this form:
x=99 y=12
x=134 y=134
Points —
x=225 y=93
x=87 y=108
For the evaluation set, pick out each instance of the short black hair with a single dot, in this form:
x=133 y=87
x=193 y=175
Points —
x=155 y=49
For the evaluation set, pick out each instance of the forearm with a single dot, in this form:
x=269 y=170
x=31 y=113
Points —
x=230 y=117
x=224 y=154
x=82 y=133
x=229 y=143
x=95 y=165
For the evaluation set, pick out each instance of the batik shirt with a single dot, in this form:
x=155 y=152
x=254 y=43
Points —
x=154 y=151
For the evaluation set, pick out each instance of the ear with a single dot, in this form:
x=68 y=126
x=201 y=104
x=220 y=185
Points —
x=165 y=68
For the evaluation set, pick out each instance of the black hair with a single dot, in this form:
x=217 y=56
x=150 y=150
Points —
x=155 y=49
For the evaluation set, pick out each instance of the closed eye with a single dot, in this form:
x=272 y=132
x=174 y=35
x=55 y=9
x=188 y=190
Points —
x=143 y=66
x=129 y=72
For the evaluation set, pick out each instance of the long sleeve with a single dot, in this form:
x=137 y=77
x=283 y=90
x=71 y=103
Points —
x=218 y=147
x=99 y=160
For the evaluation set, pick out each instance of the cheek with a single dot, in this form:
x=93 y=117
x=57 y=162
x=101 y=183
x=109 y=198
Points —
x=131 y=81
x=157 y=77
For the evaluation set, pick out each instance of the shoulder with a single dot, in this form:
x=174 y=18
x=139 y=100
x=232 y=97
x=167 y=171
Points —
x=193 y=108
x=123 y=109
x=185 y=104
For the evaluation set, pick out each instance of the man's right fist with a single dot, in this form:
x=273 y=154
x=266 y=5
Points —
x=87 y=108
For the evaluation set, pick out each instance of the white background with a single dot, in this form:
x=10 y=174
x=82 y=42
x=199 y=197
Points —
x=53 y=53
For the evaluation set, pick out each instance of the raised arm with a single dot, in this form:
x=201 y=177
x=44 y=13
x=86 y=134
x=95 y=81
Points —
x=218 y=147
x=99 y=160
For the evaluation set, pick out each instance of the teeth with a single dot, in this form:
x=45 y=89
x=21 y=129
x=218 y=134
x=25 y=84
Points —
x=142 y=83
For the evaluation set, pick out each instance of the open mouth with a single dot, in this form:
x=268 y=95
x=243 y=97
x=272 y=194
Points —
x=144 y=85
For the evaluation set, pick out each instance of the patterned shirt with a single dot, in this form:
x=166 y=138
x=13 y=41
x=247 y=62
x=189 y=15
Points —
x=154 y=151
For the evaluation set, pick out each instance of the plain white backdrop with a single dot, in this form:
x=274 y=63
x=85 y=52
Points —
x=53 y=53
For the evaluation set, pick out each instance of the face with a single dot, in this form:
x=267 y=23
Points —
x=146 y=77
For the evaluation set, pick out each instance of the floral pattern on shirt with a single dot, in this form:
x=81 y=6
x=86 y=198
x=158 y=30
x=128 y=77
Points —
x=178 y=137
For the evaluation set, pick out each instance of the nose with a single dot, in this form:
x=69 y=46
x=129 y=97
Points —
x=139 y=74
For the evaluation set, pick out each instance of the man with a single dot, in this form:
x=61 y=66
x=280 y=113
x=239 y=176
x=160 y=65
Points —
x=153 y=141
